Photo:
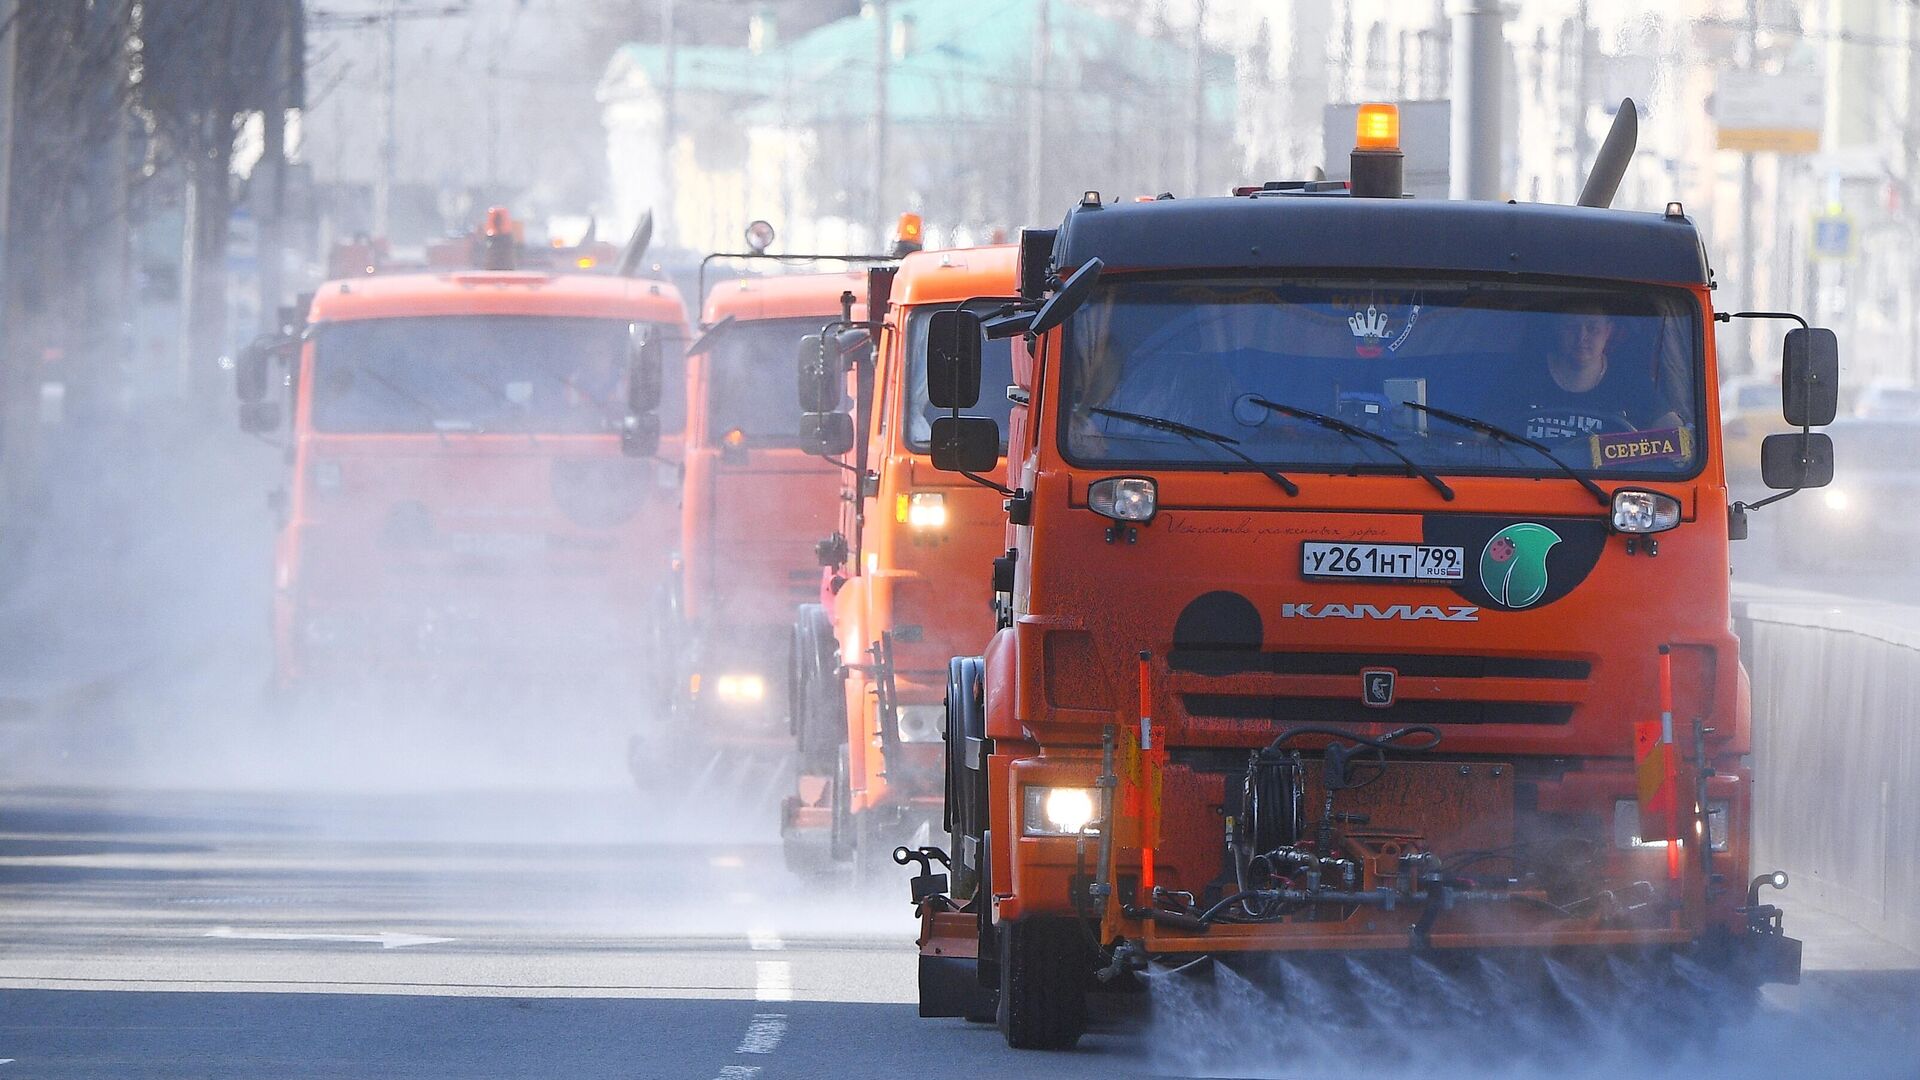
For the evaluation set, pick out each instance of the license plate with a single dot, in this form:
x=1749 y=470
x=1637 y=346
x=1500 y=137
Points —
x=1382 y=562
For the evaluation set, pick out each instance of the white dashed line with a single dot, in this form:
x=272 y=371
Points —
x=763 y=1034
x=772 y=980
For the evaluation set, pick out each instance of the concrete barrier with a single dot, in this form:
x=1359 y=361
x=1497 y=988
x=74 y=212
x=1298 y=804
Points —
x=1836 y=722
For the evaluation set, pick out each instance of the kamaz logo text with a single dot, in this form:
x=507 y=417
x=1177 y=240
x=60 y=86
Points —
x=1406 y=612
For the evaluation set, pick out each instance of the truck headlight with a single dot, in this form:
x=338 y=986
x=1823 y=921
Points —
x=740 y=689
x=921 y=510
x=921 y=723
x=1636 y=511
x=1059 y=811
x=1124 y=498
x=1836 y=500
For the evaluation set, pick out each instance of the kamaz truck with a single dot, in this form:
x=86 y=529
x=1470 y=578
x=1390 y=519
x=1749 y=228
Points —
x=1367 y=594
x=478 y=487
x=903 y=588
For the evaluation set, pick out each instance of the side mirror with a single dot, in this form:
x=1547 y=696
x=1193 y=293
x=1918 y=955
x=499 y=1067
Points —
x=965 y=443
x=828 y=434
x=1795 y=460
x=1072 y=294
x=640 y=435
x=250 y=373
x=259 y=417
x=953 y=359
x=645 y=363
x=1810 y=377
x=822 y=380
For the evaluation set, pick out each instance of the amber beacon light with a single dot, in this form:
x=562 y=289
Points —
x=1377 y=164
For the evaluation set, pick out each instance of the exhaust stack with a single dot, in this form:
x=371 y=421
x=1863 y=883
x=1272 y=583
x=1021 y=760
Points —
x=1611 y=163
x=637 y=245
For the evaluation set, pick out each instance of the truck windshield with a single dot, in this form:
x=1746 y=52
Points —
x=996 y=374
x=750 y=379
x=513 y=374
x=1609 y=377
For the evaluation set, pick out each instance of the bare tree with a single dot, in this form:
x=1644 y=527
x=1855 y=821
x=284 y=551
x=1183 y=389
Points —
x=202 y=68
x=66 y=190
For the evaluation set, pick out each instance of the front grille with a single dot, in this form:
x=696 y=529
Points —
x=1411 y=665
x=1315 y=710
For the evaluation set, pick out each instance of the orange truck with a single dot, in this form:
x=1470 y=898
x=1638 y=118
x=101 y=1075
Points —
x=1369 y=597
x=754 y=503
x=478 y=484
x=905 y=589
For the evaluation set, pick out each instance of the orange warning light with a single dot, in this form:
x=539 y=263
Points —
x=1377 y=127
x=736 y=437
x=909 y=230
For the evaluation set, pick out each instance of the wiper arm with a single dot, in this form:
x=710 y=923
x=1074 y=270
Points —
x=1354 y=431
x=1225 y=442
x=1476 y=424
x=713 y=334
x=428 y=411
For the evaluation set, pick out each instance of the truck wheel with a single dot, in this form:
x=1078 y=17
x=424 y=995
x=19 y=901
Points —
x=1044 y=963
x=843 y=841
x=818 y=704
x=965 y=795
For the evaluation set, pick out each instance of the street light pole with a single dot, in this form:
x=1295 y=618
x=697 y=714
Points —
x=667 y=220
x=1749 y=263
x=882 y=60
x=1037 y=110
x=1478 y=48
x=390 y=134
x=1197 y=71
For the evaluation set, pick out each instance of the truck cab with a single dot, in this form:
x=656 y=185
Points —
x=905 y=587
x=1369 y=595
x=458 y=501
x=755 y=502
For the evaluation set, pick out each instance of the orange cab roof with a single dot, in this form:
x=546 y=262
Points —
x=492 y=292
x=934 y=277
x=786 y=296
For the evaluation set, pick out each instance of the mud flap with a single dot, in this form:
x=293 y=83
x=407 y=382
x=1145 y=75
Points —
x=950 y=986
x=950 y=983
x=1772 y=958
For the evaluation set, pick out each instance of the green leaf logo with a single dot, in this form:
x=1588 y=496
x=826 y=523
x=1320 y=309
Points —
x=1513 y=566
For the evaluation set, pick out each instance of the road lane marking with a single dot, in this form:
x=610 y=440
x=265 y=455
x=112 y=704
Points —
x=384 y=939
x=761 y=939
x=772 y=980
x=763 y=1034
x=738 y=1072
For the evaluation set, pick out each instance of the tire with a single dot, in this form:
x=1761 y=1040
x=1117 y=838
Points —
x=1044 y=965
x=818 y=705
x=843 y=842
x=665 y=676
x=966 y=798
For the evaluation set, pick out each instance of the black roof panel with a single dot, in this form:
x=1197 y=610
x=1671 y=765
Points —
x=1341 y=233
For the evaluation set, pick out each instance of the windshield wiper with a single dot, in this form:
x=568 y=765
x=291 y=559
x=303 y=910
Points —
x=713 y=333
x=1475 y=424
x=1225 y=442
x=428 y=411
x=1353 y=431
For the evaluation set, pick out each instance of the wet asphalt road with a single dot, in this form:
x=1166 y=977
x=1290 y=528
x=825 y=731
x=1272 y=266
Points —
x=189 y=891
x=522 y=933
